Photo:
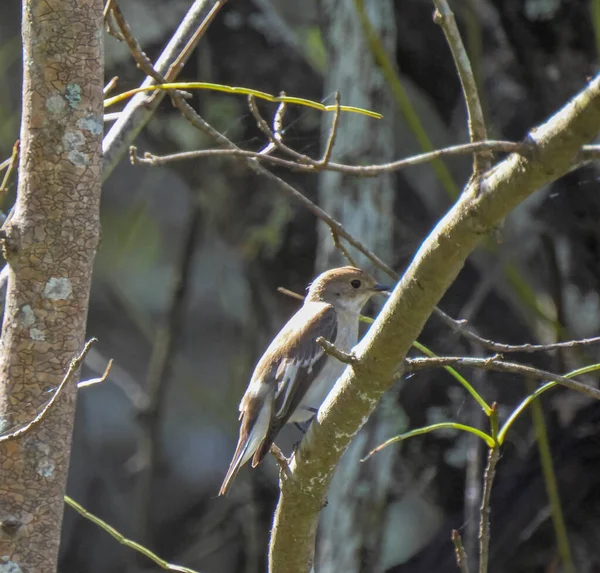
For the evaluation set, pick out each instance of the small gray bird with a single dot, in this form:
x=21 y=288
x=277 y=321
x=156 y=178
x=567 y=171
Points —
x=294 y=375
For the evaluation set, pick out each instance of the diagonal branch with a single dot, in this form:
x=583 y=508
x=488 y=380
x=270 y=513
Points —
x=555 y=147
x=139 y=110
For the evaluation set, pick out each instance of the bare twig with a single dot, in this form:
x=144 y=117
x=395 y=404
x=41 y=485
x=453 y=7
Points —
x=140 y=108
x=94 y=381
x=278 y=119
x=461 y=554
x=198 y=122
x=185 y=54
x=276 y=141
x=108 y=20
x=73 y=369
x=140 y=57
x=130 y=387
x=277 y=130
x=110 y=86
x=123 y=540
x=290 y=293
x=332 y=133
x=476 y=448
x=477 y=132
x=484 y=524
x=107 y=8
x=460 y=326
x=333 y=350
x=12 y=164
x=496 y=364
x=307 y=164
x=340 y=247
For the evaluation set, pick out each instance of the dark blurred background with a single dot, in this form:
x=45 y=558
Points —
x=235 y=239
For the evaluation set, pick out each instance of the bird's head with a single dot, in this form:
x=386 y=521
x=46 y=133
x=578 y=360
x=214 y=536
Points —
x=346 y=288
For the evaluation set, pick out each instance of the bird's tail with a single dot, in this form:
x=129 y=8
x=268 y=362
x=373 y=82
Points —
x=236 y=464
x=256 y=419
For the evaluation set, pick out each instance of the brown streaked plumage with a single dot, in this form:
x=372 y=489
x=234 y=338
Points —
x=294 y=375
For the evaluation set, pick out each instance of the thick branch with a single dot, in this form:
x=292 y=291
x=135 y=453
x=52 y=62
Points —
x=554 y=149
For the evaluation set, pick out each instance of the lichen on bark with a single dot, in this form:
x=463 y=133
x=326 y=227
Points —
x=49 y=242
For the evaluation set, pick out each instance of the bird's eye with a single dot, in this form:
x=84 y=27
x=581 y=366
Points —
x=355 y=283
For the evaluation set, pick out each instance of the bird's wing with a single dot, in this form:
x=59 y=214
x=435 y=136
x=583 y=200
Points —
x=280 y=381
x=292 y=362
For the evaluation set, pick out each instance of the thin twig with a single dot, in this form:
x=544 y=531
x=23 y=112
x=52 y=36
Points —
x=477 y=131
x=140 y=109
x=140 y=57
x=107 y=8
x=110 y=86
x=73 y=369
x=332 y=133
x=185 y=54
x=276 y=141
x=461 y=554
x=340 y=247
x=278 y=119
x=307 y=164
x=109 y=17
x=333 y=350
x=12 y=164
x=484 y=524
x=260 y=121
x=123 y=540
x=460 y=327
x=290 y=191
x=290 y=293
x=94 y=381
x=277 y=130
x=494 y=363
x=475 y=451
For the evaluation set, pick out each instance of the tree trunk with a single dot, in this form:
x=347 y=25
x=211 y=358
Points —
x=363 y=205
x=49 y=242
x=352 y=524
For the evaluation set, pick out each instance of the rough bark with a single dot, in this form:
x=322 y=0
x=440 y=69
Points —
x=348 y=540
x=554 y=149
x=49 y=243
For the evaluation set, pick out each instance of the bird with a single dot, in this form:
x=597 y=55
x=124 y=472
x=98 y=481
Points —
x=294 y=375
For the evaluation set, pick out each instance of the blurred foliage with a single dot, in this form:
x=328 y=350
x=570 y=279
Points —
x=266 y=239
x=314 y=49
x=130 y=236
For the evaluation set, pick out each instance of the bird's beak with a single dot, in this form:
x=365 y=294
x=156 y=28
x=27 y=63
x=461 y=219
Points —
x=383 y=289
